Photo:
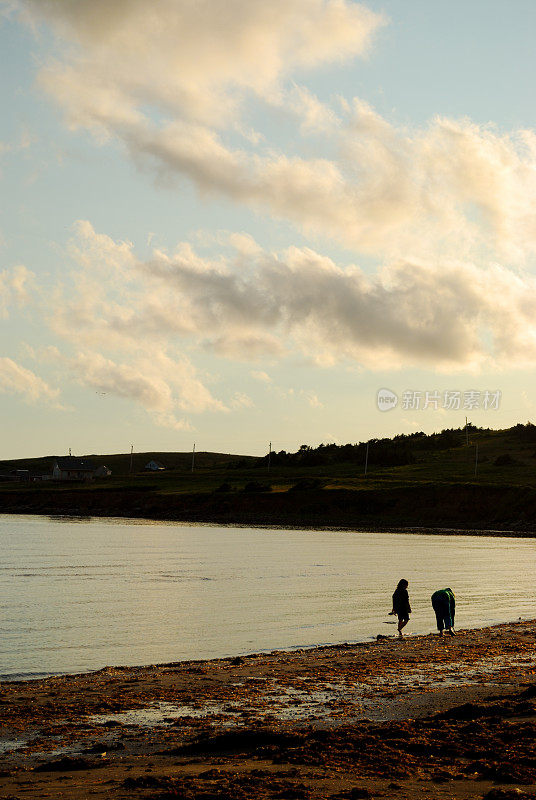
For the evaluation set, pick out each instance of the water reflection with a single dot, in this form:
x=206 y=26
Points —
x=78 y=594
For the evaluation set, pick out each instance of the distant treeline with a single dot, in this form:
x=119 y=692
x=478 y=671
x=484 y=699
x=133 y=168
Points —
x=525 y=434
x=393 y=452
x=401 y=449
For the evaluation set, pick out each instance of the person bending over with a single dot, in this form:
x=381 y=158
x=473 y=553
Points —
x=444 y=605
x=401 y=606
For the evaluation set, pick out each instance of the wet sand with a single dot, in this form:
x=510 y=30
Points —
x=425 y=717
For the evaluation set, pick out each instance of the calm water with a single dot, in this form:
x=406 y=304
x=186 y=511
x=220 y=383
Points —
x=79 y=595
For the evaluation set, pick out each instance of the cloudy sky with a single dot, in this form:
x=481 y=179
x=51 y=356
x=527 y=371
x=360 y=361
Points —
x=234 y=222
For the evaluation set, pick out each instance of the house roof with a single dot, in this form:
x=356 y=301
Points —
x=73 y=463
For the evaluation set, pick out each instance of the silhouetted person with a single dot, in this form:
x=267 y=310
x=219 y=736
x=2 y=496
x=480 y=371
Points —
x=444 y=605
x=401 y=606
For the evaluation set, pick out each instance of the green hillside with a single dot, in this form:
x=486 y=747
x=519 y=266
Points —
x=411 y=480
x=505 y=457
x=120 y=463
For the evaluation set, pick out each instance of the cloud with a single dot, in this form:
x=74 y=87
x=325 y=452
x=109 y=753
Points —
x=313 y=116
x=442 y=313
x=15 y=288
x=122 y=380
x=121 y=332
x=447 y=209
x=194 y=60
x=159 y=384
x=450 y=186
x=312 y=399
x=169 y=78
x=15 y=379
x=436 y=314
x=259 y=375
x=241 y=400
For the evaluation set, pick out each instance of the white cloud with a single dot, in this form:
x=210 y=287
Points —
x=122 y=380
x=259 y=375
x=448 y=187
x=443 y=313
x=447 y=208
x=452 y=185
x=159 y=384
x=312 y=399
x=122 y=332
x=15 y=288
x=241 y=400
x=373 y=186
x=15 y=379
x=313 y=116
x=193 y=59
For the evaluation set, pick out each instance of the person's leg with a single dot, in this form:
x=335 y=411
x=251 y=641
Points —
x=448 y=621
x=439 y=619
x=402 y=622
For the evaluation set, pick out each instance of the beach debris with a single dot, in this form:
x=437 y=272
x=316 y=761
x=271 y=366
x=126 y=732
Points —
x=68 y=764
x=457 y=712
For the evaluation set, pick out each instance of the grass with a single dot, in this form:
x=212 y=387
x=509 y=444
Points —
x=452 y=466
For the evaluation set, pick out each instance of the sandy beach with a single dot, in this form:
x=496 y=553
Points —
x=425 y=717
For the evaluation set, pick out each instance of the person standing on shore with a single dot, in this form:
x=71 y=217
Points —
x=444 y=605
x=401 y=606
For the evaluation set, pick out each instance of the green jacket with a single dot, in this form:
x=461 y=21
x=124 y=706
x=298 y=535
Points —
x=445 y=596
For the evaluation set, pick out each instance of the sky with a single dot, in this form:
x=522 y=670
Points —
x=235 y=223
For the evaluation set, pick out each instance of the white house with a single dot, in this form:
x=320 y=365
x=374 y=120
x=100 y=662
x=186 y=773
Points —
x=154 y=466
x=70 y=468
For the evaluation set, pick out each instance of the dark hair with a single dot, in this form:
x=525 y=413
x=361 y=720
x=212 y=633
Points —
x=402 y=584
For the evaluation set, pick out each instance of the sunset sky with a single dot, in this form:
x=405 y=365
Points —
x=234 y=222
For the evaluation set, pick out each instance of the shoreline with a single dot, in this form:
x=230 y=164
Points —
x=37 y=677
x=450 y=717
x=514 y=533
x=422 y=506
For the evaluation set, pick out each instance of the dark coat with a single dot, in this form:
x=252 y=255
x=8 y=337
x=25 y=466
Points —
x=444 y=601
x=401 y=604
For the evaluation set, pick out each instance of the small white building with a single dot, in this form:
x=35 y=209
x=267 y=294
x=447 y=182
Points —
x=70 y=468
x=155 y=466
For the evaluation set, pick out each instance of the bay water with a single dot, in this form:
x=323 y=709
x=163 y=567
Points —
x=79 y=594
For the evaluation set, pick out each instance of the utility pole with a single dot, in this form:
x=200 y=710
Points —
x=466 y=434
x=366 y=460
x=131 y=457
x=193 y=457
x=269 y=456
x=476 y=460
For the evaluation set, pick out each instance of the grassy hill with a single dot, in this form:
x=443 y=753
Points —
x=412 y=480
x=120 y=463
